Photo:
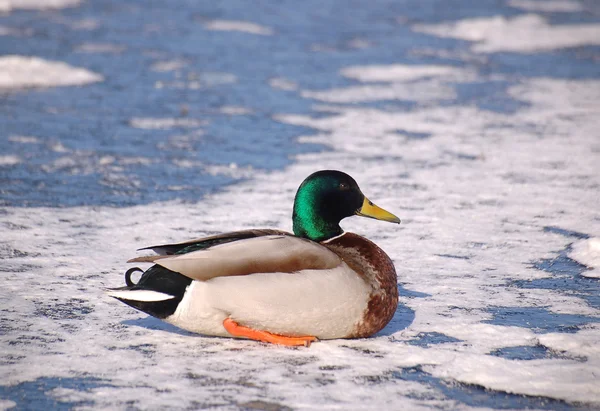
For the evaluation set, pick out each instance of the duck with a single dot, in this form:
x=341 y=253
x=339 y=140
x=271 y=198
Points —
x=273 y=286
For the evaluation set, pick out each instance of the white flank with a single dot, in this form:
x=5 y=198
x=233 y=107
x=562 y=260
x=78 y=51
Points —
x=18 y=72
x=322 y=303
x=141 y=295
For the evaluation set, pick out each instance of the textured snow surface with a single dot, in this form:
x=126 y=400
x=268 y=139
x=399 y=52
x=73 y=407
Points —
x=493 y=205
x=9 y=160
x=551 y=6
x=18 y=72
x=587 y=252
x=241 y=26
x=522 y=34
x=470 y=229
x=9 y=5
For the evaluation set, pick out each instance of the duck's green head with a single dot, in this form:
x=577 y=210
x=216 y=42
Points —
x=324 y=199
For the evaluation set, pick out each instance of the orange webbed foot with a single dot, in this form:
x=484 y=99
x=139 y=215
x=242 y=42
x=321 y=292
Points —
x=237 y=330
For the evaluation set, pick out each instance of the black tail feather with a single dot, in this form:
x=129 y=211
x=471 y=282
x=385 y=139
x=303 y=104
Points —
x=158 y=279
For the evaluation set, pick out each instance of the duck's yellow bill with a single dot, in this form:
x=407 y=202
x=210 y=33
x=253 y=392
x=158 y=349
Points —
x=370 y=210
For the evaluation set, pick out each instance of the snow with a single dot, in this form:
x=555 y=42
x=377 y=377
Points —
x=9 y=160
x=235 y=110
x=521 y=34
x=150 y=123
x=399 y=72
x=476 y=193
x=17 y=72
x=24 y=139
x=9 y=5
x=241 y=26
x=465 y=206
x=168 y=65
x=283 y=84
x=587 y=252
x=100 y=48
x=549 y=6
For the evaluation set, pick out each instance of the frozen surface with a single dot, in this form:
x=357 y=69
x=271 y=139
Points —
x=22 y=72
x=9 y=160
x=9 y=5
x=521 y=34
x=490 y=160
x=242 y=26
x=587 y=252
x=551 y=6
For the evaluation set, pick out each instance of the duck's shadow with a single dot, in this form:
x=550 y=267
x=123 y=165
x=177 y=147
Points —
x=404 y=315
x=152 y=323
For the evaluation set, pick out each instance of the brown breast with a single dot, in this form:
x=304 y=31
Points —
x=376 y=268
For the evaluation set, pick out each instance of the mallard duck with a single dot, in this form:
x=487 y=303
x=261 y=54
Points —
x=274 y=286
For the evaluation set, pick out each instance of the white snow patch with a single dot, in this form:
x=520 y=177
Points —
x=521 y=34
x=283 y=84
x=7 y=404
x=569 y=380
x=59 y=147
x=410 y=83
x=151 y=123
x=422 y=91
x=110 y=168
x=549 y=6
x=400 y=72
x=196 y=81
x=17 y=72
x=359 y=43
x=24 y=139
x=100 y=48
x=9 y=160
x=9 y=5
x=235 y=110
x=242 y=26
x=168 y=65
x=587 y=252
x=583 y=343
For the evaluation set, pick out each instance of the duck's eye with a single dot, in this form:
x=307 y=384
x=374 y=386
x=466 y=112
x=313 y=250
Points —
x=344 y=186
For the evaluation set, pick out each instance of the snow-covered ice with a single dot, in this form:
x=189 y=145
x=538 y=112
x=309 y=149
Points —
x=17 y=72
x=550 y=6
x=10 y=5
x=587 y=252
x=521 y=34
x=241 y=26
x=494 y=204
